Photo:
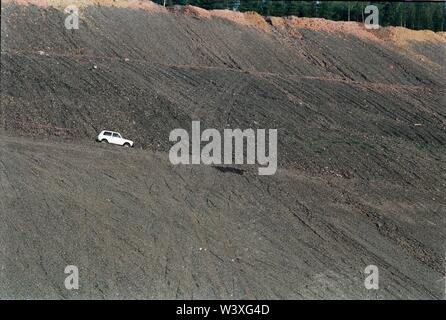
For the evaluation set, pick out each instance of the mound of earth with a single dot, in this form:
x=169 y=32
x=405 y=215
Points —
x=361 y=181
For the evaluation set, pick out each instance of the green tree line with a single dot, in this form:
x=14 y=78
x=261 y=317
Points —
x=413 y=15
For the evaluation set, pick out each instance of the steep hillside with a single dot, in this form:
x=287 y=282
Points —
x=345 y=94
x=138 y=227
x=361 y=119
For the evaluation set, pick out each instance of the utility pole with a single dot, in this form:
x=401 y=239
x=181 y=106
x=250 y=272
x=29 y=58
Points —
x=349 y=11
x=362 y=11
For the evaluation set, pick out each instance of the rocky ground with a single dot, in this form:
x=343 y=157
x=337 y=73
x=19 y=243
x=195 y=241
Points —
x=361 y=179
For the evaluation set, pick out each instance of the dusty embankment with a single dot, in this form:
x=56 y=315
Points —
x=361 y=177
x=140 y=228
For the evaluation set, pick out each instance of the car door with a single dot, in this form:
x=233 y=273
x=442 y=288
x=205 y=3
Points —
x=107 y=136
x=117 y=139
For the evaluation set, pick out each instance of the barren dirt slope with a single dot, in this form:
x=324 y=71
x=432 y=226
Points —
x=138 y=227
x=361 y=179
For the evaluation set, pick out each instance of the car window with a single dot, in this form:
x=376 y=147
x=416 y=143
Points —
x=107 y=133
x=116 y=135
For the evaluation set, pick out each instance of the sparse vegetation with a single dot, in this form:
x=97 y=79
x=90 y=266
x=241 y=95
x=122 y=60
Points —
x=413 y=15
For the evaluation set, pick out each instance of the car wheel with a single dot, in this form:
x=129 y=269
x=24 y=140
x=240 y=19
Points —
x=104 y=141
x=127 y=145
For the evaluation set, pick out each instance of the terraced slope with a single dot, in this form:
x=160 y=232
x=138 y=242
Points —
x=138 y=227
x=361 y=122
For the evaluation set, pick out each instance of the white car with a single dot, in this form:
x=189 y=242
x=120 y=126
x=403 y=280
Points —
x=114 y=138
